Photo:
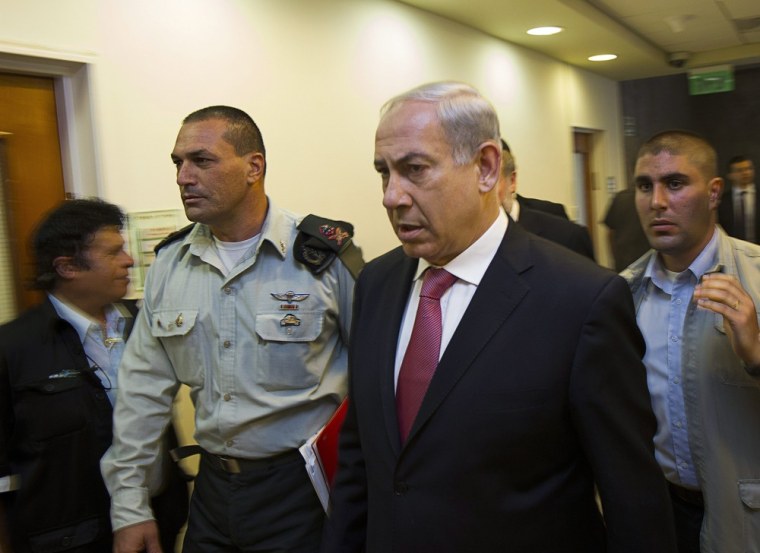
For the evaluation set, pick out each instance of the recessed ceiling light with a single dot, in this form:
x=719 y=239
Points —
x=603 y=57
x=544 y=31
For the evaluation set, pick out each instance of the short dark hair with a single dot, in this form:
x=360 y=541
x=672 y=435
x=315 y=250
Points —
x=687 y=143
x=68 y=230
x=736 y=159
x=242 y=131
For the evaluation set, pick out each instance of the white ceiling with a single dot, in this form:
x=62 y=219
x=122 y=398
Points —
x=643 y=33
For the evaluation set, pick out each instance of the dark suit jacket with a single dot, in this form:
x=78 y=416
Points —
x=539 y=395
x=53 y=432
x=726 y=215
x=562 y=231
x=552 y=208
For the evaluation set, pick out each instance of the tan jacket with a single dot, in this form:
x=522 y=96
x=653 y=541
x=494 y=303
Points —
x=722 y=398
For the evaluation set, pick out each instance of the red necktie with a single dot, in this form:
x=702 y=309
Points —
x=421 y=357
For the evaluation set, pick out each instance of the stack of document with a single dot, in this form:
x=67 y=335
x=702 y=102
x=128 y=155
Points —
x=321 y=454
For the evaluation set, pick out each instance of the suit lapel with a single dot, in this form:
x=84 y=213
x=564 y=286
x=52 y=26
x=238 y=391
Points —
x=392 y=303
x=500 y=291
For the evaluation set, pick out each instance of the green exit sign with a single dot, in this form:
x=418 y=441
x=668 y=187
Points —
x=711 y=80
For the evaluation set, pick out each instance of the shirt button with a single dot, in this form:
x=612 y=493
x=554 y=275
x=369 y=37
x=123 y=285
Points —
x=227 y=343
x=227 y=290
x=678 y=301
x=674 y=338
x=227 y=397
x=676 y=380
x=678 y=424
x=230 y=443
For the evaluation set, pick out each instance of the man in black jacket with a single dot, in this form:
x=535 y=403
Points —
x=58 y=380
x=541 y=223
x=739 y=210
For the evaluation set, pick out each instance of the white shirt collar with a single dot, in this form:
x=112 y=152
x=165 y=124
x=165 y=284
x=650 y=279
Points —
x=80 y=320
x=750 y=188
x=515 y=211
x=472 y=263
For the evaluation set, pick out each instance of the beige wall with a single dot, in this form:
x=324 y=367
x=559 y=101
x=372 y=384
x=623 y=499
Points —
x=313 y=73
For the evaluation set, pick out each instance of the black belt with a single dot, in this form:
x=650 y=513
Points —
x=234 y=465
x=692 y=497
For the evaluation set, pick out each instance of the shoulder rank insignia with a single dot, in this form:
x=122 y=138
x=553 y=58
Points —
x=176 y=235
x=336 y=234
x=321 y=240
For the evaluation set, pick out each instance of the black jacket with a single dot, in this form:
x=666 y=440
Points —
x=562 y=231
x=539 y=400
x=53 y=432
x=726 y=215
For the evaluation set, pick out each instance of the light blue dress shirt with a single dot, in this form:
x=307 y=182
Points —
x=103 y=344
x=661 y=316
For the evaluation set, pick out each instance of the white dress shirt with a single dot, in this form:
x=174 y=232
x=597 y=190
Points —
x=469 y=268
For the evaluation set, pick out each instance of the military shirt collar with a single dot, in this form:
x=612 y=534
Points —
x=276 y=230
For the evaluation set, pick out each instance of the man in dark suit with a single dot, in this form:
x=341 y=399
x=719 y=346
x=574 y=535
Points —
x=544 y=206
x=58 y=380
x=559 y=230
x=626 y=237
x=483 y=415
x=739 y=210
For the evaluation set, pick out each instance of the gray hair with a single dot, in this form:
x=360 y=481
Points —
x=508 y=164
x=467 y=118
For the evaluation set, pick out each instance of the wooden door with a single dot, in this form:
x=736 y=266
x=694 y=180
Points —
x=33 y=176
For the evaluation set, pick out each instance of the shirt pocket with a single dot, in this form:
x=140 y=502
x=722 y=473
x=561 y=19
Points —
x=749 y=493
x=288 y=349
x=50 y=408
x=169 y=323
x=177 y=331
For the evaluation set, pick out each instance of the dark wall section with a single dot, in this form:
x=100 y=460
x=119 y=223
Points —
x=730 y=120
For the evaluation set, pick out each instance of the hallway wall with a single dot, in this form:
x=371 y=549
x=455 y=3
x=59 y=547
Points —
x=313 y=73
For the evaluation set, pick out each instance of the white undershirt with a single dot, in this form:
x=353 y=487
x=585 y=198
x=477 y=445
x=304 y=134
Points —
x=230 y=253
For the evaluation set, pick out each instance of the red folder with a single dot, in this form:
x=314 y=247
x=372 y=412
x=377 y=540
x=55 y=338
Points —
x=321 y=454
x=326 y=444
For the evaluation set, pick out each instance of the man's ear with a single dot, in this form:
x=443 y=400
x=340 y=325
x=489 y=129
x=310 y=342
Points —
x=489 y=165
x=65 y=267
x=256 y=165
x=715 y=187
x=512 y=186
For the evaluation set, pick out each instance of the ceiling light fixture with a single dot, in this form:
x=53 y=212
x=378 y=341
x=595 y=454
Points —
x=603 y=57
x=544 y=31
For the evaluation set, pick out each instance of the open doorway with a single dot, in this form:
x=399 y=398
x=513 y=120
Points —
x=590 y=189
